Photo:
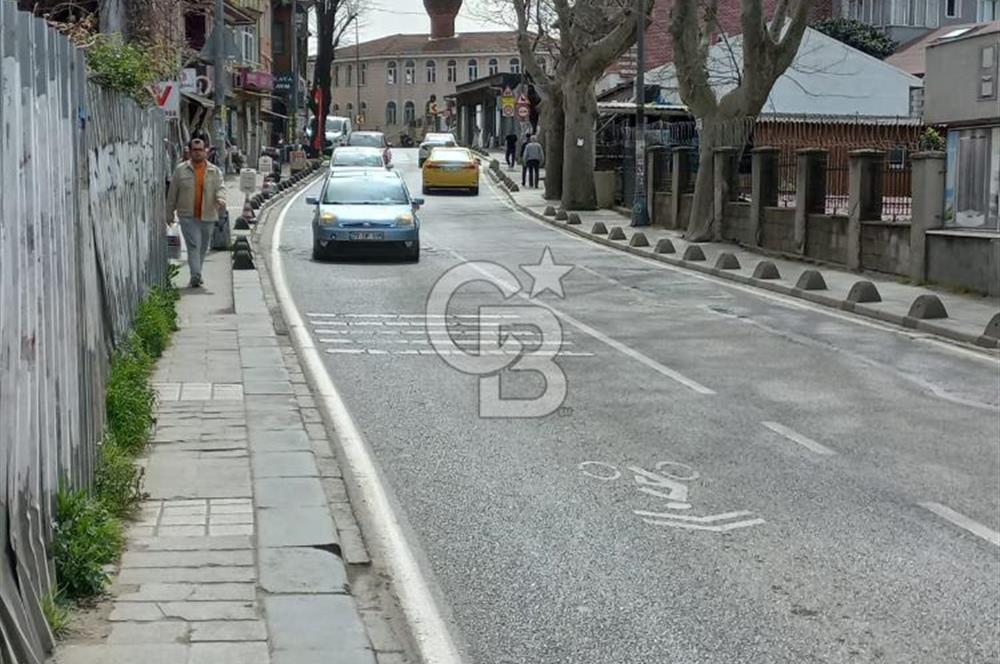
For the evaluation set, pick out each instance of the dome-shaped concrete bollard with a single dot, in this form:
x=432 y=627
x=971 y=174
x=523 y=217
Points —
x=664 y=246
x=241 y=224
x=927 y=307
x=561 y=215
x=549 y=211
x=599 y=228
x=638 y=239
x=766 y=270
x=514 y=187
x=727 y=261
x=616 y=233
x=811 y=280
x=993 y=328
x=693 y=253
x=863 y=291
x=574 y=219
x=242 y=260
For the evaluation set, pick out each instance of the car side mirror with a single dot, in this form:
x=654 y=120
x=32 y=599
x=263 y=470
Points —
x=312 y=200
x=416 y=203
x=388 y=166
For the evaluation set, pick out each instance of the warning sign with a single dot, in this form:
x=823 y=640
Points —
x=523 y=107
x=168 y=98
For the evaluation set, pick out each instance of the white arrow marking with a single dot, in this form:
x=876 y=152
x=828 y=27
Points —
x=715 y=529
x=695 y=519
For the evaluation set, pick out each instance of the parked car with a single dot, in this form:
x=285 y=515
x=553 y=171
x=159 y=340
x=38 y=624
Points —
x=338 y=129
x=365 y=209
x=451 y=168
x=432 y=141
x=373 y=139
x=349 y=157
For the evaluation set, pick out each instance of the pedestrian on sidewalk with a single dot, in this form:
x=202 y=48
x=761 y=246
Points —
x=197 y=193
x=534 y=155
x=511 y=154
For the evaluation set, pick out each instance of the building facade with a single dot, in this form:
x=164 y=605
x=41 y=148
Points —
x=905 y=20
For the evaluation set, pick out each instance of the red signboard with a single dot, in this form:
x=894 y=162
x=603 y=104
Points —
x=256 y=80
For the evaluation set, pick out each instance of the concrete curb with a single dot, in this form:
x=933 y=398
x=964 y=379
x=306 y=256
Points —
x=979 y=341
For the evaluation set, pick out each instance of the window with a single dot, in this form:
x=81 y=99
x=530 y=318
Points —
x=409 y=113
x=988 y=75
x=350 y=110
x=951 y=8
x=431 y=71
x=350 y=75
x=409 y=68
x=989 y=10
x=248 y=44
x=390 y=113
x=363 y=73
x=390 y=72
x=493 y=66
x=515 y=66
x=452 y=71
x=473 y=69
x=364 y=112
x=972 y=198
x=336 y=76
x=278 y=38
x=336 y=108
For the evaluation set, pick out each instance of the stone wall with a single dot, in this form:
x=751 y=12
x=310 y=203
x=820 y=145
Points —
x=736 y=223
x=826 y=238
x=885 y=247
x=778 y=229
x=964 y=260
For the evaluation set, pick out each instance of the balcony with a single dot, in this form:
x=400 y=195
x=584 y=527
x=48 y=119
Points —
x=243 y=12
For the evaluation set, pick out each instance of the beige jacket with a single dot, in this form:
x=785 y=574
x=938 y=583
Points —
x=180 y=196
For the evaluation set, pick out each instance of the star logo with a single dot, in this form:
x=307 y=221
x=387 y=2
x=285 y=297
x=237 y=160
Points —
x=546 y=274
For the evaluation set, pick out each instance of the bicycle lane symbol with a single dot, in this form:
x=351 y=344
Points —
x=669 y=482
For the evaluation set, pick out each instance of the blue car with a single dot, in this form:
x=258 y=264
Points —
x=364 y=209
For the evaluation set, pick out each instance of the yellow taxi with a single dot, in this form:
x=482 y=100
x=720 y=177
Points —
x=451 y=168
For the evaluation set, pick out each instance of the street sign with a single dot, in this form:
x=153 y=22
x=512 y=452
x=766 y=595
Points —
x=168 y=98
x=523 y=107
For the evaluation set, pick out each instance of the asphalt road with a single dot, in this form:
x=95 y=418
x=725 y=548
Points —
x=830 y=475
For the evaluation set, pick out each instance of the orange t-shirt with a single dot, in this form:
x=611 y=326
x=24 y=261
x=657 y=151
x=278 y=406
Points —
x=199 y=186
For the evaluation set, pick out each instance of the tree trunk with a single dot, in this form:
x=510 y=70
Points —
x=554 y=123
x=322 y=78
x=700 y=223
x=580 y=114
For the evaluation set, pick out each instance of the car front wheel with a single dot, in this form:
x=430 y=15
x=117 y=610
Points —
x=318 y=252
x=413 y=252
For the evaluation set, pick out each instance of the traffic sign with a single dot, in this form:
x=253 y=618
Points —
x=168 y=98
x=523 y=107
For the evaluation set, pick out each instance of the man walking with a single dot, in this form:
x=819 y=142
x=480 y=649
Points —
x=197 y=193
x=511 y=152
x=534 y=155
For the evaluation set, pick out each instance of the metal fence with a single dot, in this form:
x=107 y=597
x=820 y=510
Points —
x=82 y=206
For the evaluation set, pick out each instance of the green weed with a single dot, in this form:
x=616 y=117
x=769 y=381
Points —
x=130 y=399
x=118 y=481
x=86 y=539
x=56 y=613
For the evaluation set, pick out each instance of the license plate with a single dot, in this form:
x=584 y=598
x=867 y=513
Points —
x=366 y=236
x=453 y=169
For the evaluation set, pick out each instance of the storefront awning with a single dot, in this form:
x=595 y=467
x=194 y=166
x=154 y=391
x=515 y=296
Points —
x=198 y=99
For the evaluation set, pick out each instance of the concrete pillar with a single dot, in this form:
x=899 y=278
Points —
x=724 y=163
x=927 y=211
x=765 y=187
x=864 y=203
x=810 y=191
x=679 y=180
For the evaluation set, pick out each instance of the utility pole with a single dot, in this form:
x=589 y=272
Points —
x=640 y=215
x=293 y=119
x=357 y=64
x=220 y=76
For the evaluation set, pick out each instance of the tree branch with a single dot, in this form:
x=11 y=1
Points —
x=690 y=57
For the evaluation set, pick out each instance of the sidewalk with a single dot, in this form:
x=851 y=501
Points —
x=237 y=556
x=970 y=319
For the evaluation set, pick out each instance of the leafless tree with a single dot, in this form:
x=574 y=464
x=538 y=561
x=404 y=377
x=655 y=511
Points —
x=768 y=49
x=333 y=18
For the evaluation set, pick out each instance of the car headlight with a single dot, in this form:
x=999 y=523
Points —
x=405 y=219
x=327 y=219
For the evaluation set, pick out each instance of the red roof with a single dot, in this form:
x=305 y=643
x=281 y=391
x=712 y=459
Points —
x=487 y=43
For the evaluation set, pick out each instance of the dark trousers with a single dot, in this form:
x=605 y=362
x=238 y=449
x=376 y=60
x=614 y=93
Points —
x=510 y=154
x=531 y=166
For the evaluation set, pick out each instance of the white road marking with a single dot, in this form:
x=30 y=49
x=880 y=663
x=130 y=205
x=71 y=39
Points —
x=429 y=629
x=693 y=519
x=964 y=522
x=698 y=526
x=796 y=437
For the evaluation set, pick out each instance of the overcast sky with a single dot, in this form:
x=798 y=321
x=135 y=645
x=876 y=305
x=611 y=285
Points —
x=390 y=17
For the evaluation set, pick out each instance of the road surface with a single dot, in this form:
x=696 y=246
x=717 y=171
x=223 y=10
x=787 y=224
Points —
x=732 y=476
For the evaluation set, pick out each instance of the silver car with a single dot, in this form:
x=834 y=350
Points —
x=347 y=158
x=432 y=141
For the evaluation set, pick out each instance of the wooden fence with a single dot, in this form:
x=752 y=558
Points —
x=82 y=209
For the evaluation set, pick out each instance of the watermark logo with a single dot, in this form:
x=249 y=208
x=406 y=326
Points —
x=498 y=348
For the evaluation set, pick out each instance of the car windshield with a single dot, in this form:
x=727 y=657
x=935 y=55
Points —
x=356 y=159
x=367 y=140
x=334 y=124
x=445 y=154
x=365 y=191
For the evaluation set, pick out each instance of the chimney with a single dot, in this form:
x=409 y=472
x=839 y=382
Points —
x=442 y=13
